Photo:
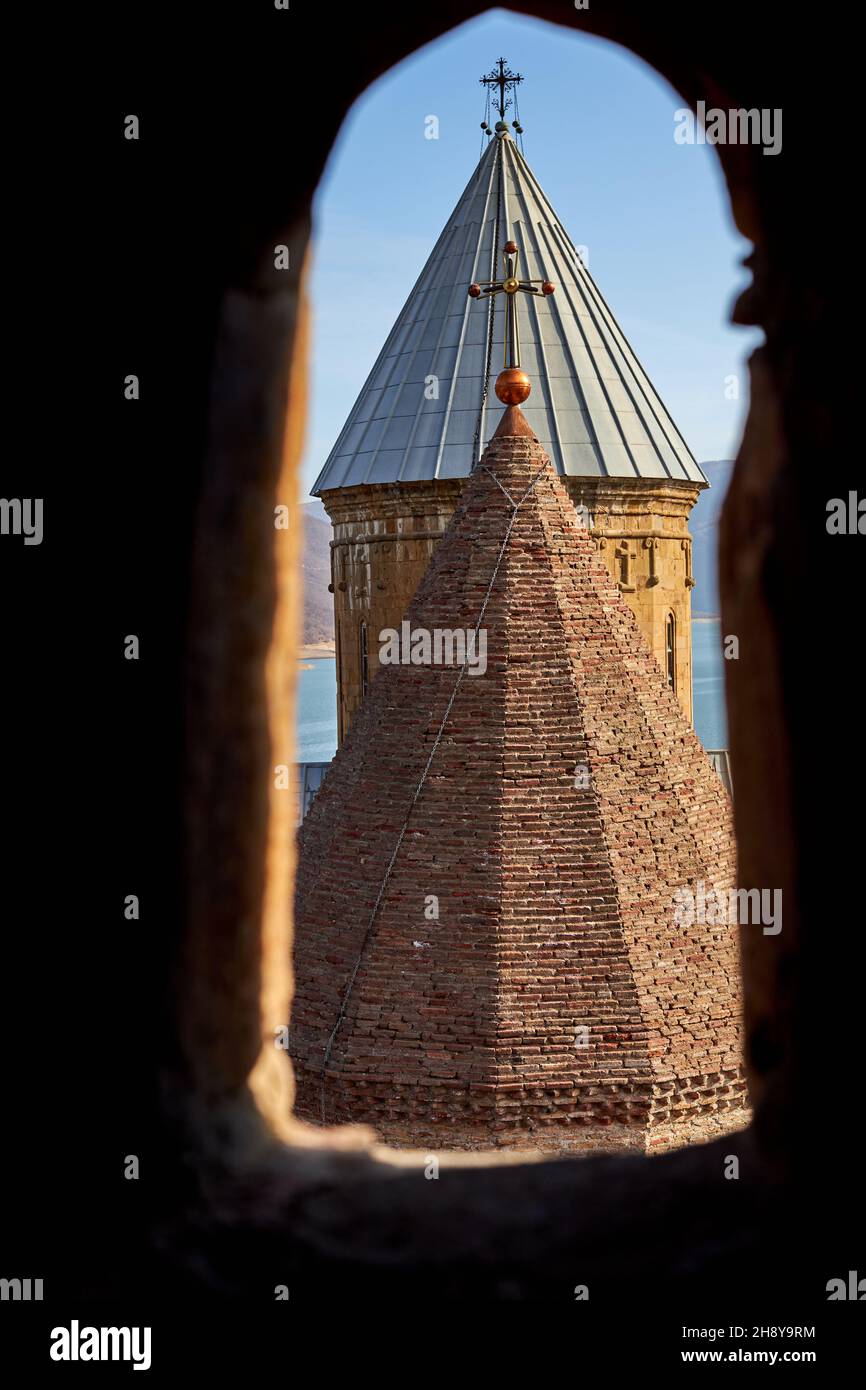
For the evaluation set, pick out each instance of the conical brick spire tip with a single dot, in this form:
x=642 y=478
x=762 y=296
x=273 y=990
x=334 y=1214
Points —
x=514 y=422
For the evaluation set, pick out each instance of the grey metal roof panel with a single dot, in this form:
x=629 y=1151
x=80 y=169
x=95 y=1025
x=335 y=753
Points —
x=592 y=405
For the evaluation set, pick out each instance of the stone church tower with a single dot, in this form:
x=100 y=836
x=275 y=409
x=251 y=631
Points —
x=396 y=473
x=490 y=941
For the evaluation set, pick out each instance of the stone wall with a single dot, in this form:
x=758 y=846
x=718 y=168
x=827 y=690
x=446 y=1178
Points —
x=385 y=535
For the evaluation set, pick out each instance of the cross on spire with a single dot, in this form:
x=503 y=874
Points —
x=510 y=285
x=502 y=77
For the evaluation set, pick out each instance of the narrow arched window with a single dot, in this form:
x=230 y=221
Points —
x=362 y=648
x=671 y=651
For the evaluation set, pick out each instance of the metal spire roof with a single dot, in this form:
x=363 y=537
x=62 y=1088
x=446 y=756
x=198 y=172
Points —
x=592 y=407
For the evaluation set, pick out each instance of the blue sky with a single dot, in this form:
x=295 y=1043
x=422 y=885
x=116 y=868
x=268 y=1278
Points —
x=598 y=134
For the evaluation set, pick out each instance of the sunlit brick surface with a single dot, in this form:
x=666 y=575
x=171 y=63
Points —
x=555 y=892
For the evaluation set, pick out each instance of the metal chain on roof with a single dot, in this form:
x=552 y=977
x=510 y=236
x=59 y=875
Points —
x=485 y=125
x=515 y=508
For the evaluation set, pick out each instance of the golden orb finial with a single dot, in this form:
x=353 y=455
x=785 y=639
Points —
x=513 y=386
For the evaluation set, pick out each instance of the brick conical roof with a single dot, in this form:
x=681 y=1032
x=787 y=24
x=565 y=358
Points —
x=524 y=978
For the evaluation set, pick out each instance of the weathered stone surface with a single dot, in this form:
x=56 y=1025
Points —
x=385 y=535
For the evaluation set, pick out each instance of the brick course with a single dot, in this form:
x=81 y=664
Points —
x=385 y=535
x=556 y=900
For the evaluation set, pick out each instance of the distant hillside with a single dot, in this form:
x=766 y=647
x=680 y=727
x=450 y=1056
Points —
x=315 y=507
x=318 y=603
x=704 y=526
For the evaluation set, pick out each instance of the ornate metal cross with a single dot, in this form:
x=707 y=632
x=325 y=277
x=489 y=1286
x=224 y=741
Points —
x=510 y=285
x=506 y=80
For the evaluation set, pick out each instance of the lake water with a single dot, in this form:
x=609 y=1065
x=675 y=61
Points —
x=317 y=699
x=316 y=730
x=708 y=685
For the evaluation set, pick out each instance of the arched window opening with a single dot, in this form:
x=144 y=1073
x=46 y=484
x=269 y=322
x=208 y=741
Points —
x=365 y=673
x=670 y=652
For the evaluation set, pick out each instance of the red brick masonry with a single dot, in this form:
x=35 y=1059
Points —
x=556 y=907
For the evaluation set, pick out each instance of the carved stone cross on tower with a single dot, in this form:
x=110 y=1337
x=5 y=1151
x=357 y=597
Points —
x=512 y=380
